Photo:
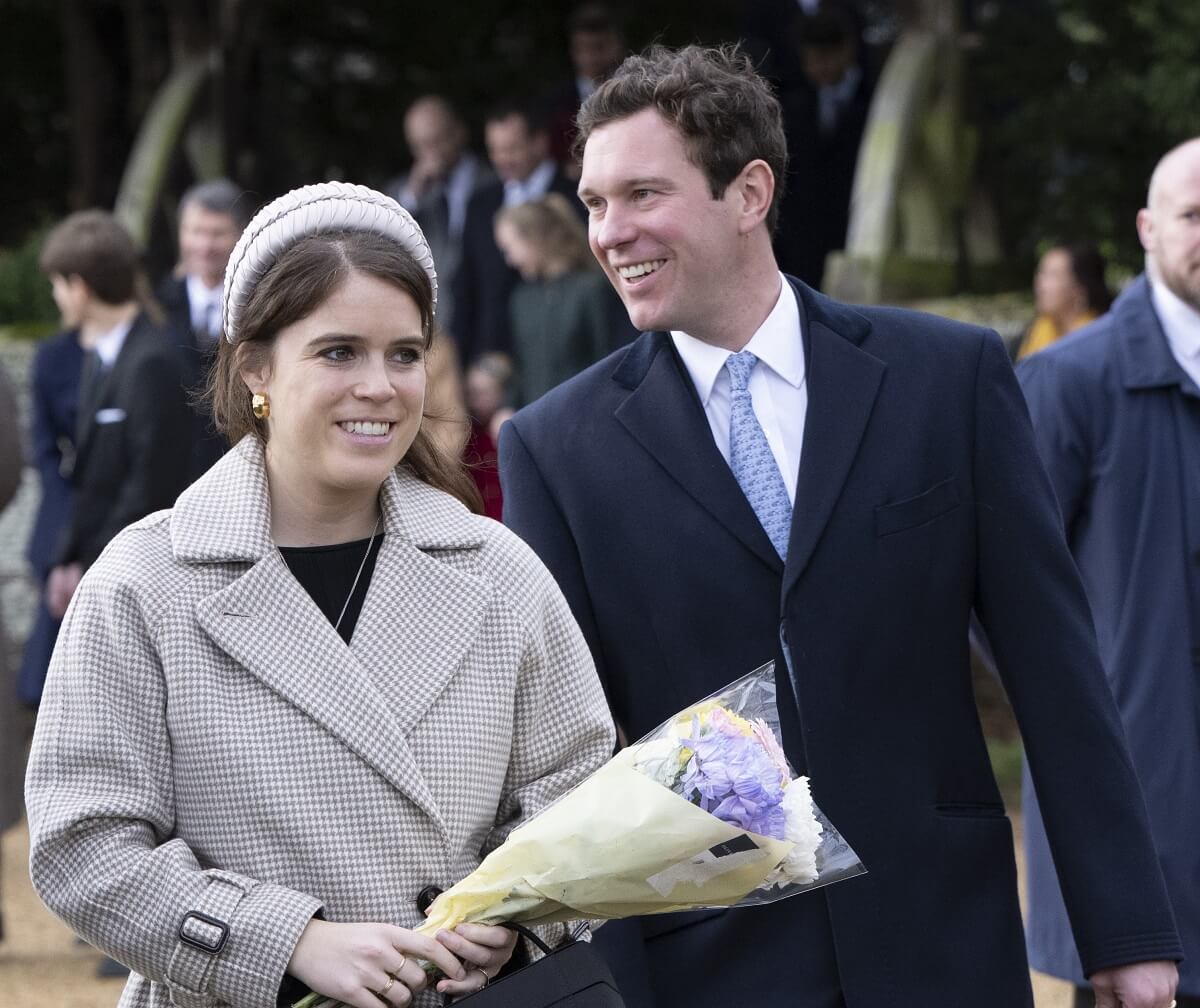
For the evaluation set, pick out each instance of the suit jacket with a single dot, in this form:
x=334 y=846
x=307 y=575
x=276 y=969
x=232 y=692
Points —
x=133 y=444
x=919 y=498
x=485 y=280
x=196 y=358
x=54 y=402
x=1117 y=422
x=815 y=213
x=208 y=743
x=431 y=211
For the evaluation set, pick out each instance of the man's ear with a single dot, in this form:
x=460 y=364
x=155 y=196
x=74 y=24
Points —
x=754 y=188
x=1145 y=229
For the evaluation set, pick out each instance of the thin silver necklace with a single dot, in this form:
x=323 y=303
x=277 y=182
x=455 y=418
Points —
x=346 y=604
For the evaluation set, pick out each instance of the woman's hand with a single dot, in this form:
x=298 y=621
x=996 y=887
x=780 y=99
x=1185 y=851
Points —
x=484 y=950
x=364 y=964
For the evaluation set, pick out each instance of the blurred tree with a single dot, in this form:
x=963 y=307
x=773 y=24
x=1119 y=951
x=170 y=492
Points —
x=1077 y=100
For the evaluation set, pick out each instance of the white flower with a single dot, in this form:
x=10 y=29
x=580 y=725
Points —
x=803 y=830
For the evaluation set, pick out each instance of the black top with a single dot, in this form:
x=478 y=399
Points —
x=327 y=572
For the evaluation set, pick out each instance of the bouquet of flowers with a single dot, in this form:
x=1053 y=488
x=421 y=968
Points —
x=703 y=812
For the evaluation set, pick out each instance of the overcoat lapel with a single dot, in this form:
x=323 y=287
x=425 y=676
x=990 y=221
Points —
x=664 y=416
x=843 y=381
x=417 y=623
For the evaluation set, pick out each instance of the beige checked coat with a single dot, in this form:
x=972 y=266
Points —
x=208 y=745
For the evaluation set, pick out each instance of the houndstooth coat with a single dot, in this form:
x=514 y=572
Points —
x=207 y=744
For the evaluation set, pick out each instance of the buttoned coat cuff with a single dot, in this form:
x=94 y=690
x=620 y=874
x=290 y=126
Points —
x=233 y=944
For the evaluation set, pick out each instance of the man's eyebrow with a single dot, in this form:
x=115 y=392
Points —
x=648 y=182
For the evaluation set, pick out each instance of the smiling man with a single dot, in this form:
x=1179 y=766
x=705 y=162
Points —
x=768 y=474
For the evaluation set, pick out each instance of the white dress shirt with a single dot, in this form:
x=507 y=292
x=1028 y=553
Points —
x=204 y=303
x=534 y=187
x=1181 y=324
x=108 y=345
x=777 y=384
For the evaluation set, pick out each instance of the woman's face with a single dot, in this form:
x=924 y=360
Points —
x=347 y=387
x=521 y=255
x=1056 y=292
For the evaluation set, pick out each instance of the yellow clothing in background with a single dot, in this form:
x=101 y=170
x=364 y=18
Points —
x=1043 y=332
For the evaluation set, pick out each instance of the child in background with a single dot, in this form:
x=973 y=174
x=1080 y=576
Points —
x=565 y=314
x=489 y=381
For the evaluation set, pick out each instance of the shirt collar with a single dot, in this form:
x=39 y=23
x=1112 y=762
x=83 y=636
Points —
x=108 y=345
x=1180 y=321
x=531 y=188
x=777 y=343
x=200 y=294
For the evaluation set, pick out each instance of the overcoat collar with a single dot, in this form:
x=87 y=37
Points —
x=1144 y=354
x=418 y=620
x=663 y=413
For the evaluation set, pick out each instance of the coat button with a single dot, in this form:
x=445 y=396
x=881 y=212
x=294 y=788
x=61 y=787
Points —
x=426 y=897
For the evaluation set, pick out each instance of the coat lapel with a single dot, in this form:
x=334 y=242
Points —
x=663 y=414
x=419 y=618
x=843 y=381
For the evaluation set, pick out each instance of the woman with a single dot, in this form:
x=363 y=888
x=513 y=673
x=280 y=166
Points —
x=565 y=315
x=319 y=684
x=1069 y=292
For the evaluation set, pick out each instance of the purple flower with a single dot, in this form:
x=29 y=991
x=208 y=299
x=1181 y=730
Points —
x=733 y=777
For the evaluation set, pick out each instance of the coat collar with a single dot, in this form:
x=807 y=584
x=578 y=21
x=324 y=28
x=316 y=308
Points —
x=662 y=412
x=418 y=621
x=1144 y=354
x=225 y=516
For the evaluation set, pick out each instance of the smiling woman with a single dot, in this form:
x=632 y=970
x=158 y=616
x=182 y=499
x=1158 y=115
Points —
x=263 y=692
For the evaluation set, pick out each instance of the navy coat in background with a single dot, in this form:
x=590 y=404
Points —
x=920 y=497
x=54 y=402
x=1117 y=422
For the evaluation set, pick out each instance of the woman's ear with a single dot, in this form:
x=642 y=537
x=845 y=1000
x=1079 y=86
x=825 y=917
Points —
x=255 y=374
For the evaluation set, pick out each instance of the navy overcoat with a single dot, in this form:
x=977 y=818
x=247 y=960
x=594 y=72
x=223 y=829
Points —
x=1117 y=422
x=920 y=497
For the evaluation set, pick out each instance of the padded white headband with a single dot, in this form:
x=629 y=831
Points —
x=326 y=206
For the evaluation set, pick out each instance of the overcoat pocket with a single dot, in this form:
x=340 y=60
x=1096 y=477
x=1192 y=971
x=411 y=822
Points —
x=914 y=511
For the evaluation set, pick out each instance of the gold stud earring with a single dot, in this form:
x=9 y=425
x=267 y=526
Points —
x=260 y=405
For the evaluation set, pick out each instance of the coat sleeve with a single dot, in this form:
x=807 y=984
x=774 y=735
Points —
x=1060 y=429
x=100 y=799
x=532 y=512
x=1031 y=601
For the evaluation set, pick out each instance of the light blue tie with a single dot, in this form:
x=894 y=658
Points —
x=751 y=459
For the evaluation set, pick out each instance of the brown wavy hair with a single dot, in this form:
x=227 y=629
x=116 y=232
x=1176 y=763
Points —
x=299 y=281
x=725 y=112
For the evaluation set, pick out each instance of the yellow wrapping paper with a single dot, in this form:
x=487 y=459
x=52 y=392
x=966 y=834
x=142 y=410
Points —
x=600 y=852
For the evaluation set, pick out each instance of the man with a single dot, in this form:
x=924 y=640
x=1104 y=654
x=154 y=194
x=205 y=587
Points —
x=824 y=114
x=518 y=146
x=1115 y=414
x=445 y=174
x=211 y=218
x=658 y=486
x=596 y=47
x=134 y=439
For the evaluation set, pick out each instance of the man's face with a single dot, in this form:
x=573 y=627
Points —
x=435 y=139
x=595 y=55
x=1170 y=227
x=206 y=240
x=668 y=247
x=826 y=65
x=513 y=149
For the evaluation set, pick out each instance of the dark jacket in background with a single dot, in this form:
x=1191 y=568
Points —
x=54 y=406
x=196 y=359
x=134 y=446
x=1117 y=422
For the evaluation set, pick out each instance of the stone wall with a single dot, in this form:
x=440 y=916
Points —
x=17 y=593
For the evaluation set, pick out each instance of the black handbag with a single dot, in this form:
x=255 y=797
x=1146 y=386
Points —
x=573 y=976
